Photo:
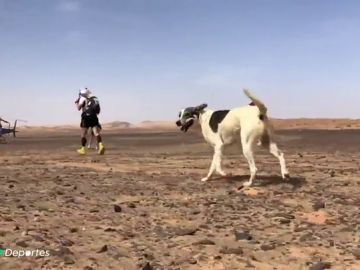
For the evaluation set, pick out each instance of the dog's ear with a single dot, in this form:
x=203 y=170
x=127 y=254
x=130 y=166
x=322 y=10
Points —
x=200 y=107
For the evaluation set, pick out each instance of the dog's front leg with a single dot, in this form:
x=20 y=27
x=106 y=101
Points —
x=215 y=162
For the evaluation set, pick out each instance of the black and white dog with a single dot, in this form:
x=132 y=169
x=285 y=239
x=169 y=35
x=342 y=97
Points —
x=248 y=125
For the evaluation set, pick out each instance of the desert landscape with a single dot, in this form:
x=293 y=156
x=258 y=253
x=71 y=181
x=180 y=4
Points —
x=143 y=206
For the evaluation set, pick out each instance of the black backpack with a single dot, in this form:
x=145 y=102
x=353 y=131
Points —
x=92 y=106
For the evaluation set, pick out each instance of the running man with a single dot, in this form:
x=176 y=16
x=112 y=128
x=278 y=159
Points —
x=89 y=119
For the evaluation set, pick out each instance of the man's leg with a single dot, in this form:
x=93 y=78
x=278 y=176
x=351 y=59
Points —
x=82 y=150
x=96 y=130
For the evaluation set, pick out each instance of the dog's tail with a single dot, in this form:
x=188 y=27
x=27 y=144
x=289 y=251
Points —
x=269 y=130
x=258 y=103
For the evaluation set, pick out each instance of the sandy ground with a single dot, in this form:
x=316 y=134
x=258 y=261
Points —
x=143 y=206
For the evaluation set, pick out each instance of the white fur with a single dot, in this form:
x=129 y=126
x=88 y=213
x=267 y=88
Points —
x=243 y=125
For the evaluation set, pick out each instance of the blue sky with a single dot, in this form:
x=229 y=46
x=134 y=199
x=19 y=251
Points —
x=146 y=59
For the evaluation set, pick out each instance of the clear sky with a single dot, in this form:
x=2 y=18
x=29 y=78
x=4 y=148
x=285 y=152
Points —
x=146 y=59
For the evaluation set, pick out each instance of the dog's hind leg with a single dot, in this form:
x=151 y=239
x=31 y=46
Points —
x=248 y=145
x=216 y=161
x=274 y=150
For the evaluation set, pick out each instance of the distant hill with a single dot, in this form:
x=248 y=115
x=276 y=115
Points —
x=156 y=125
x=316 y=123
x=117 y=124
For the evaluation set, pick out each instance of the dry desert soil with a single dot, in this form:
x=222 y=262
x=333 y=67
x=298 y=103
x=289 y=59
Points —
x=143 y=206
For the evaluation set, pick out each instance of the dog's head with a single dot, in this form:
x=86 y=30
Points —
x=188 y=116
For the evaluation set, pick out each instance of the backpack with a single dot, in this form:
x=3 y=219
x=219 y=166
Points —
x=92 y=106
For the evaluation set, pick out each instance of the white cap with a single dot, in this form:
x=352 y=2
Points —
x=85 y=92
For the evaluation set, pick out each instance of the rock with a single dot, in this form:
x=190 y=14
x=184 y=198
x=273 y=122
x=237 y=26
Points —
x=38 y=238
x=318 y=205
x=267 y=247
x=131 y=205
x=16 y=228
x=22 y=207
x=332 y=174
x=62 y=251
x=301 y=228
x=110 y=230
x=74 y=230
x=7 y=219
x=228 y=251
x=205 y=242
x=66 y=242
x=172 y=245
x=320 y=266
x=117 y=208
x=149 y=257
x=356 y=254
x=147 y=266
x=192 y=261
x=69 y=260
x=284 y=221
x=307 y=237
x=60 y=192
x=284 y=215
x=22 y=243
x=184 y=231
x=195 y=212
x=117 y=253
x=243 y=235
x=103 y=249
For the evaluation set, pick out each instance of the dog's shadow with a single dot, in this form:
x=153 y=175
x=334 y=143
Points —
x=264 y=180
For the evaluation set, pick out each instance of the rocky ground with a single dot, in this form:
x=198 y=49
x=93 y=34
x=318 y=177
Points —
x=143 y=206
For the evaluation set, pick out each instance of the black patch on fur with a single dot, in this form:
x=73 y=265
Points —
x=197 y=114
x=261 y=117
x=216 y=118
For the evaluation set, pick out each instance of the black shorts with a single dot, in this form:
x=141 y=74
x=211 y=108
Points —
x=89 y=121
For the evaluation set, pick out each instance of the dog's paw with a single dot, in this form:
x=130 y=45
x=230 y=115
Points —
x=222 y=173
x=204 y=179
x=247 y=184
x=286 y=176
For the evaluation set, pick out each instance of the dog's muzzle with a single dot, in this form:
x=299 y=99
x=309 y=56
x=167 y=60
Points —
x=185 y=126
